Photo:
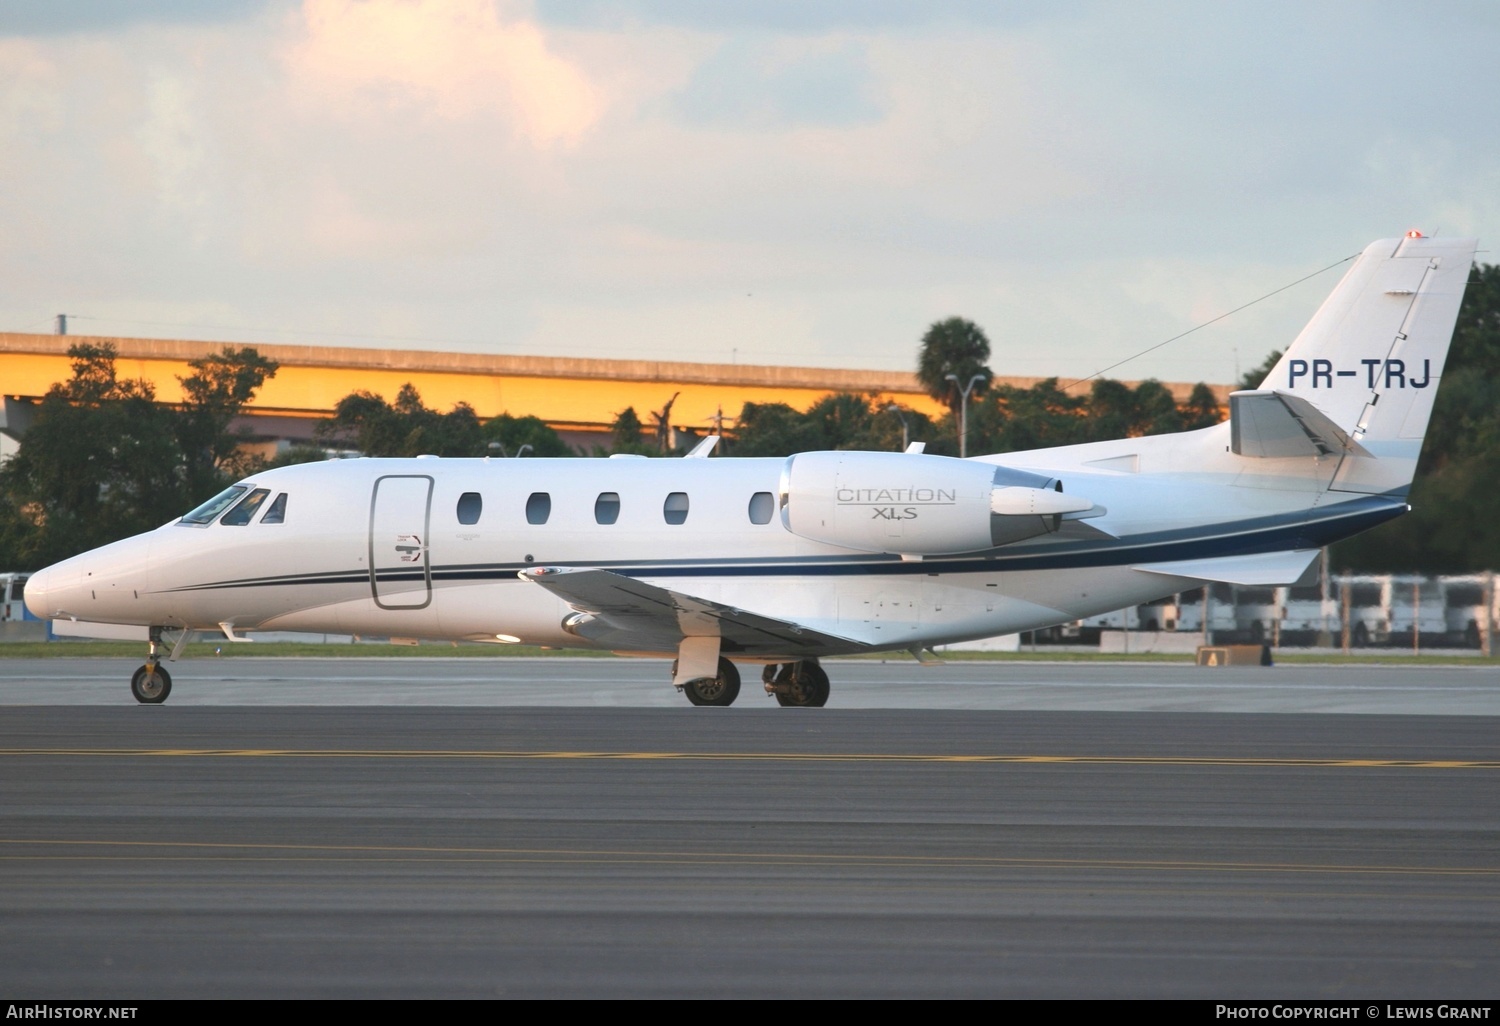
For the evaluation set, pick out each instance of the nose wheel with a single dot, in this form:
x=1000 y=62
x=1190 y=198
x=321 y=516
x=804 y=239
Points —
x=151 y=684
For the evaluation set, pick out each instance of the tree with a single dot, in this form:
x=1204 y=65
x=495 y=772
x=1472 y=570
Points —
x=1449 y=529
x=772 y=429
x=512 y=434
x=1202 y=409
x=841 y=420
x=625 y=435
x=213 y=396
x=406 y=427
x=102 y=460
x=1254 y=378
x=958 y=347
x=1011 y=419
x=1112 y=410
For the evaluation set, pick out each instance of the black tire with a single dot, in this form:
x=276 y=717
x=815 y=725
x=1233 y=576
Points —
x=151 y=686
x=808 y=688
x=1360 y=636
x=721 y=690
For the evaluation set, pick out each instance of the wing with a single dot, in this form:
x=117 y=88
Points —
x=624 y=613
x=1265 y=568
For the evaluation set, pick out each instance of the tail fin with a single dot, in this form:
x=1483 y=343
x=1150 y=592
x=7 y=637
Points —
x=1371 y=357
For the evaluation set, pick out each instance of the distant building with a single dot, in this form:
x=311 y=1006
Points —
x=577 y=397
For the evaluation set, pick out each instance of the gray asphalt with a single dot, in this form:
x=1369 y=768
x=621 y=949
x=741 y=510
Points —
x=857 y=684
x=422 y=828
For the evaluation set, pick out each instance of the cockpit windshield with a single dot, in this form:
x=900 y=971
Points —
x=205 y=513
x=241 y=514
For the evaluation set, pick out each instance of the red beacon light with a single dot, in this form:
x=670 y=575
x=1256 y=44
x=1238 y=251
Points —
x=1413 y=234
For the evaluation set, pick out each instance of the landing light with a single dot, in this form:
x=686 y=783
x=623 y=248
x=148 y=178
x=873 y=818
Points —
x=508 y=639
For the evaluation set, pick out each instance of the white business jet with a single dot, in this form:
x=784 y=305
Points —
x=781 y=562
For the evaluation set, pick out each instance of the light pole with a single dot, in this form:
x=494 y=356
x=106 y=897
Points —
x=963 y=410
x=905 y=425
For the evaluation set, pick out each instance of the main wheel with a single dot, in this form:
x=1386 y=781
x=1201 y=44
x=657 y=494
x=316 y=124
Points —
x=720 y=690
x=808 y=687
x=151 y=685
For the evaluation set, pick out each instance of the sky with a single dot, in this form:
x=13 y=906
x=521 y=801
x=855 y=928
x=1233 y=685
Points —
x=754 y=182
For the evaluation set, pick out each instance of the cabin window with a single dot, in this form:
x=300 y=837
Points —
x=205 y=513
x=762 y=506
x=470 y=505
x=607 y=508
x=277 y=513
x=675 y=509
x=538 y=508
x=248 y=507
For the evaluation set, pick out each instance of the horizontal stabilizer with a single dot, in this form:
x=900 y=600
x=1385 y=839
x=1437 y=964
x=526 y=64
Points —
x=1265 y=568
x=1270 y=422
x=622 y=612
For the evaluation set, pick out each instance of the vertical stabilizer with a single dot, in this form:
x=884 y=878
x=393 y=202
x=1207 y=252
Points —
x=1371 y=358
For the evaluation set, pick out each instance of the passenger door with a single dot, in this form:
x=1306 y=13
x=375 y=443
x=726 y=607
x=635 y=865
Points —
x=400 y=564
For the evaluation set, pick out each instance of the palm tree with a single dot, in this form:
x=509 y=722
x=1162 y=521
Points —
x=953 y=347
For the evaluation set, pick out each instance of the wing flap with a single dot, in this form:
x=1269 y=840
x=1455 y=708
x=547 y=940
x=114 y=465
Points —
x=623 y=612
x=1265 y=568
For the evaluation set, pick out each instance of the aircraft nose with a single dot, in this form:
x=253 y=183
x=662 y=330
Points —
x=50 y=591
x=39 y=588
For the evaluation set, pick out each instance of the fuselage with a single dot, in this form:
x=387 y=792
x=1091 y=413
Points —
x=432 y=548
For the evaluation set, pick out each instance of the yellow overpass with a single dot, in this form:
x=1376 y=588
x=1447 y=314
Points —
x=574 y=395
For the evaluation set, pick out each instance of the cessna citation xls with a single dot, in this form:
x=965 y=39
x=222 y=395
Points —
x=780 y=562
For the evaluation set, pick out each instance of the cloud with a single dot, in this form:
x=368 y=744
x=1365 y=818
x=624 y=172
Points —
x=808 y=183
x=796 y=17
x=454 y=59
x=55 y=17
x=760 y=83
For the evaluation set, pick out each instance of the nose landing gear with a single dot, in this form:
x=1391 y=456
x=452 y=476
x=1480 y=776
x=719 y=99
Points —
x=151 y=684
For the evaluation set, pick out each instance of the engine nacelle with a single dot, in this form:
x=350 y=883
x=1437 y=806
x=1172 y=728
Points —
x=917 y=505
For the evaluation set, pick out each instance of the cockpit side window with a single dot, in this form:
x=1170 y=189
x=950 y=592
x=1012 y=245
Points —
x=205 y=513
x=249 y=505
x=277 y=513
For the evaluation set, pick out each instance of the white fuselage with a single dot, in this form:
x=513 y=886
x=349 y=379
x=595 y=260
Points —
x=378 y=546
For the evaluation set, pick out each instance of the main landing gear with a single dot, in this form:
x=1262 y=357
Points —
x=801 y=684
x=720 y=690
x=151 y=684
x=797 y=684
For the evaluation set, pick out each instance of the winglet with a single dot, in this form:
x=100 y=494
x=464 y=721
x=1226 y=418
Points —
x=702 y=449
